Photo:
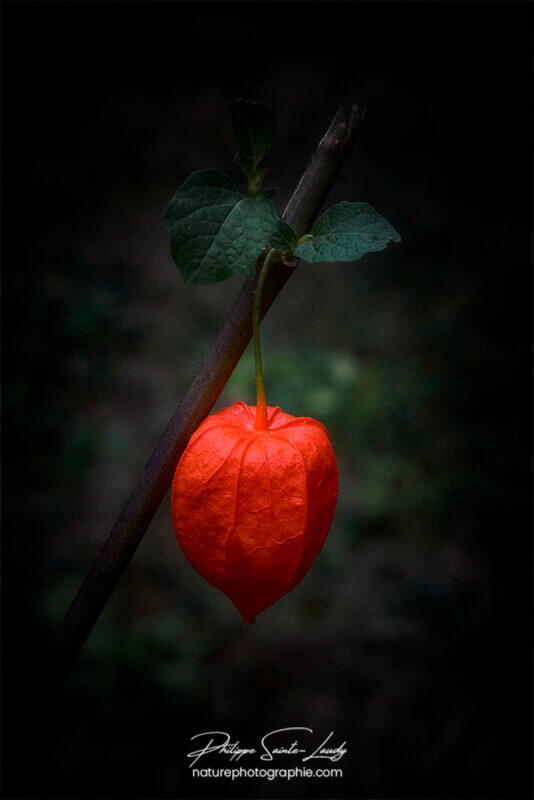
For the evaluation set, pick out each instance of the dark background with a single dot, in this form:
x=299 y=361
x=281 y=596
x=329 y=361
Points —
x=410 y=637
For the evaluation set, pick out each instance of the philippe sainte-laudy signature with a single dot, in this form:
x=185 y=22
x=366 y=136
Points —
x=296 y=741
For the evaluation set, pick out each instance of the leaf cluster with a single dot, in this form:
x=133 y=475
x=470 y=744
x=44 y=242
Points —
x=216 y=231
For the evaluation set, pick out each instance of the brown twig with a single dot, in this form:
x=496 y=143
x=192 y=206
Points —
x=206 y=387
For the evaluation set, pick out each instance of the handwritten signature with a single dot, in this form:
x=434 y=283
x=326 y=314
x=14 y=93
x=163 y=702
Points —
x=271 y=745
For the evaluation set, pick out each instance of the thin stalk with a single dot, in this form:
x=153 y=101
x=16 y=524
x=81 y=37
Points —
x=260 y=423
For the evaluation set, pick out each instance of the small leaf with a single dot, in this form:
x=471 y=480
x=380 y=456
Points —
x=346 y=232
x=254 y=129
x=215 y=231
x=283 y=237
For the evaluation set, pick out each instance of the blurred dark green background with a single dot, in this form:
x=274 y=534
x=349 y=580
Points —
x=410 y=635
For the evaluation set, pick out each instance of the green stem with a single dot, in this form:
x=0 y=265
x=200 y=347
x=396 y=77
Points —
x=260 y=423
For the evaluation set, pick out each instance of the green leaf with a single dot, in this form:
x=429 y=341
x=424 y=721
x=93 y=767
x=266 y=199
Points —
x=215 y=231
x=346 y=232
x=283 y=237
x=254 y=129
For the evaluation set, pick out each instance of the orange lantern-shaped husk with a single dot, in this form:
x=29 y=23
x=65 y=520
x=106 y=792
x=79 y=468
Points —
x=252 y=508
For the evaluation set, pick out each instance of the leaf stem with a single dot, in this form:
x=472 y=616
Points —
x=260 y=423
x=252 y=188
